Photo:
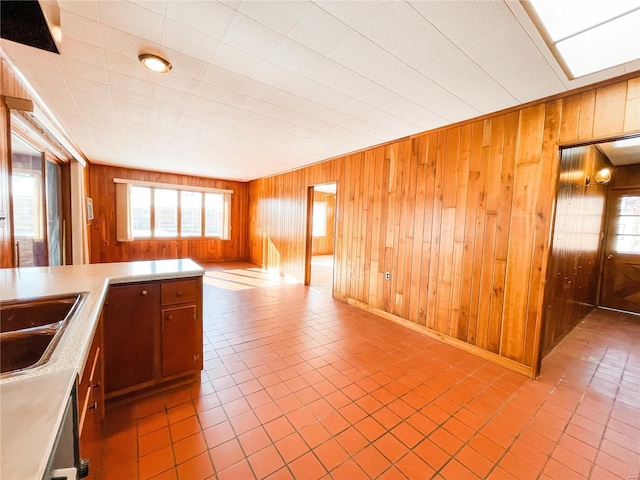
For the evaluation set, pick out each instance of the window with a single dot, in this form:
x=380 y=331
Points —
x=141 y=211
x=149 y=210
x=319 y=219
x=627 y=238
x=191 y=213
x=166 y=212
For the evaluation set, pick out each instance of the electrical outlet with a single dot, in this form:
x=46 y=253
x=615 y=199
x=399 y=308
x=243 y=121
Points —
x=387 y=275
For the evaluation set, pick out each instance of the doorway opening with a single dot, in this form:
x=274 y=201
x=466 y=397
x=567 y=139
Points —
x=321 y=210
x=594 y=260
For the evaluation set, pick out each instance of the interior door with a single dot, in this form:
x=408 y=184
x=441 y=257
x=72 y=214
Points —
x=621 y=274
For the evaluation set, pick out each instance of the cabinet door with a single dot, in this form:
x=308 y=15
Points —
x=131 y=311
x=180 y=353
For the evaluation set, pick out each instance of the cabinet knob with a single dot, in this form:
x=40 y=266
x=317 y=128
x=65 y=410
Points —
x=144 y=292
x=94 y=406
x=96 y=385
x=170 y=317
x=179 y=293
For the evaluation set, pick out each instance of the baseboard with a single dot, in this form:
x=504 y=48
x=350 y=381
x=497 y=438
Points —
x=474 y=350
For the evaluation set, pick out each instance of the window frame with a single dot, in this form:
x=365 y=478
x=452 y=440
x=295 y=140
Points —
x=124 y=218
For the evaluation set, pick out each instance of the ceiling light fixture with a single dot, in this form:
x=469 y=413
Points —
x=154 y=63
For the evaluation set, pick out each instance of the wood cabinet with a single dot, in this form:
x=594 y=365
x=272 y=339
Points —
x=153 y=333
x=131 y=313
x=91 y=404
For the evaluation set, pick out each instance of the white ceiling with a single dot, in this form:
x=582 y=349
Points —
x=261 y=87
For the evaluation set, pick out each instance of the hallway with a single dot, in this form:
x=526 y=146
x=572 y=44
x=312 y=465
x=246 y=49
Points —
x=299 y=385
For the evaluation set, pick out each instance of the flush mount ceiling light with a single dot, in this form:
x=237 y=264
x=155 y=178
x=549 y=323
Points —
x=154 y=63
x=588 y=36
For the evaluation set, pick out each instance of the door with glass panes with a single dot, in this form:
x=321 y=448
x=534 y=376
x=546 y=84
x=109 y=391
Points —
x=621 y=275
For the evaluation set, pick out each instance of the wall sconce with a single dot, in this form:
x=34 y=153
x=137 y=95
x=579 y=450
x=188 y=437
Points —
x=603 y=177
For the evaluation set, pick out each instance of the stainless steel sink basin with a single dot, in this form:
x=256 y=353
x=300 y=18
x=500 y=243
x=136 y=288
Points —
x=31 y=329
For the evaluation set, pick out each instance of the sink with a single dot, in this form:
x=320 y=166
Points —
x=30 y=330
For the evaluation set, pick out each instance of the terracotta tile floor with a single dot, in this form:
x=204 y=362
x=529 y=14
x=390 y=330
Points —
x=298 y=385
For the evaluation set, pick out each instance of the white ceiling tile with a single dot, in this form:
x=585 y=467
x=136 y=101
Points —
x=357 y=53
x=29 y=55
x=156 y=6
x=132 y=18
x=188 y=41
x=329 y=73
x=275 y=76
x=53 y=89
x=292 y=102
x=321 y=31
x=79 y=84
x=177 y=81
x=381 y=98
x=85 y=9
x=251 y=36
x=160 y=92
x=387 y=70
x=358 y=87
x=141 y=99
x=79 y=28
x=37 y=75
x=222 y=78
x=355 y=14
x=128 y=66
x=280 y=16
x=83 y=52
x=485 y=100
x=438 y=11
x=184 y=64
x=259 y=90
x=395 y=26
x=427 y=48
x=294 y=57
x=477 y=20
x=126 y=44
x=235 y=60
x=210 y=18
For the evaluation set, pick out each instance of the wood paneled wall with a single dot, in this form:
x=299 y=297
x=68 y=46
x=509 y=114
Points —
x=460 y=217
x=105 y=248
x=574 y=270
x=324 y=245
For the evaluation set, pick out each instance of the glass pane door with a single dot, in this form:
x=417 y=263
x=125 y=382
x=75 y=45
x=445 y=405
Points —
x=28 y=204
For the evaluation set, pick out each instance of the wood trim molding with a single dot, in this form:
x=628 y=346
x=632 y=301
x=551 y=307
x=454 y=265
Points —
x=454 y=342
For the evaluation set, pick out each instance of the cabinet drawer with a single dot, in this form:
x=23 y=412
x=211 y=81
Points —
x=179 y=292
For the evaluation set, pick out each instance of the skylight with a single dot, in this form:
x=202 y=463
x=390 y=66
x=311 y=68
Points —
x=590 y=35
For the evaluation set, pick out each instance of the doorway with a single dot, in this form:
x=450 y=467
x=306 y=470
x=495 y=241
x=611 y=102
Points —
x=321 y=208
x=37 y=214
x=621 y=270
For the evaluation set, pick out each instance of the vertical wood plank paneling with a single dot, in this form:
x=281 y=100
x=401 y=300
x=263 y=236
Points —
x=610 y=110
x=632 y=108
x=460 y=216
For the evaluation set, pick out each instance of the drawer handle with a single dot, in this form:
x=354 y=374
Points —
x=94 y=406
x=170 y=317
x=179 y=293
x=144 y=292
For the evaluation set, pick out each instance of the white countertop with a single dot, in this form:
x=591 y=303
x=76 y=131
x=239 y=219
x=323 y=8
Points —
x=18 y=400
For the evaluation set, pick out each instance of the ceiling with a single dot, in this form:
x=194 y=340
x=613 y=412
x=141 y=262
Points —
x=262 y=87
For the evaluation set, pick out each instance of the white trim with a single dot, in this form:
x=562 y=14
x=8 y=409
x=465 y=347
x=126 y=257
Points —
x=31 y=131
x=173 y=186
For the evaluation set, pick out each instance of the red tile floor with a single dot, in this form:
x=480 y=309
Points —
x=298 y=385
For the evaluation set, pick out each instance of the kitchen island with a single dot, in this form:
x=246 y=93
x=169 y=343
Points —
x=33 y=402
